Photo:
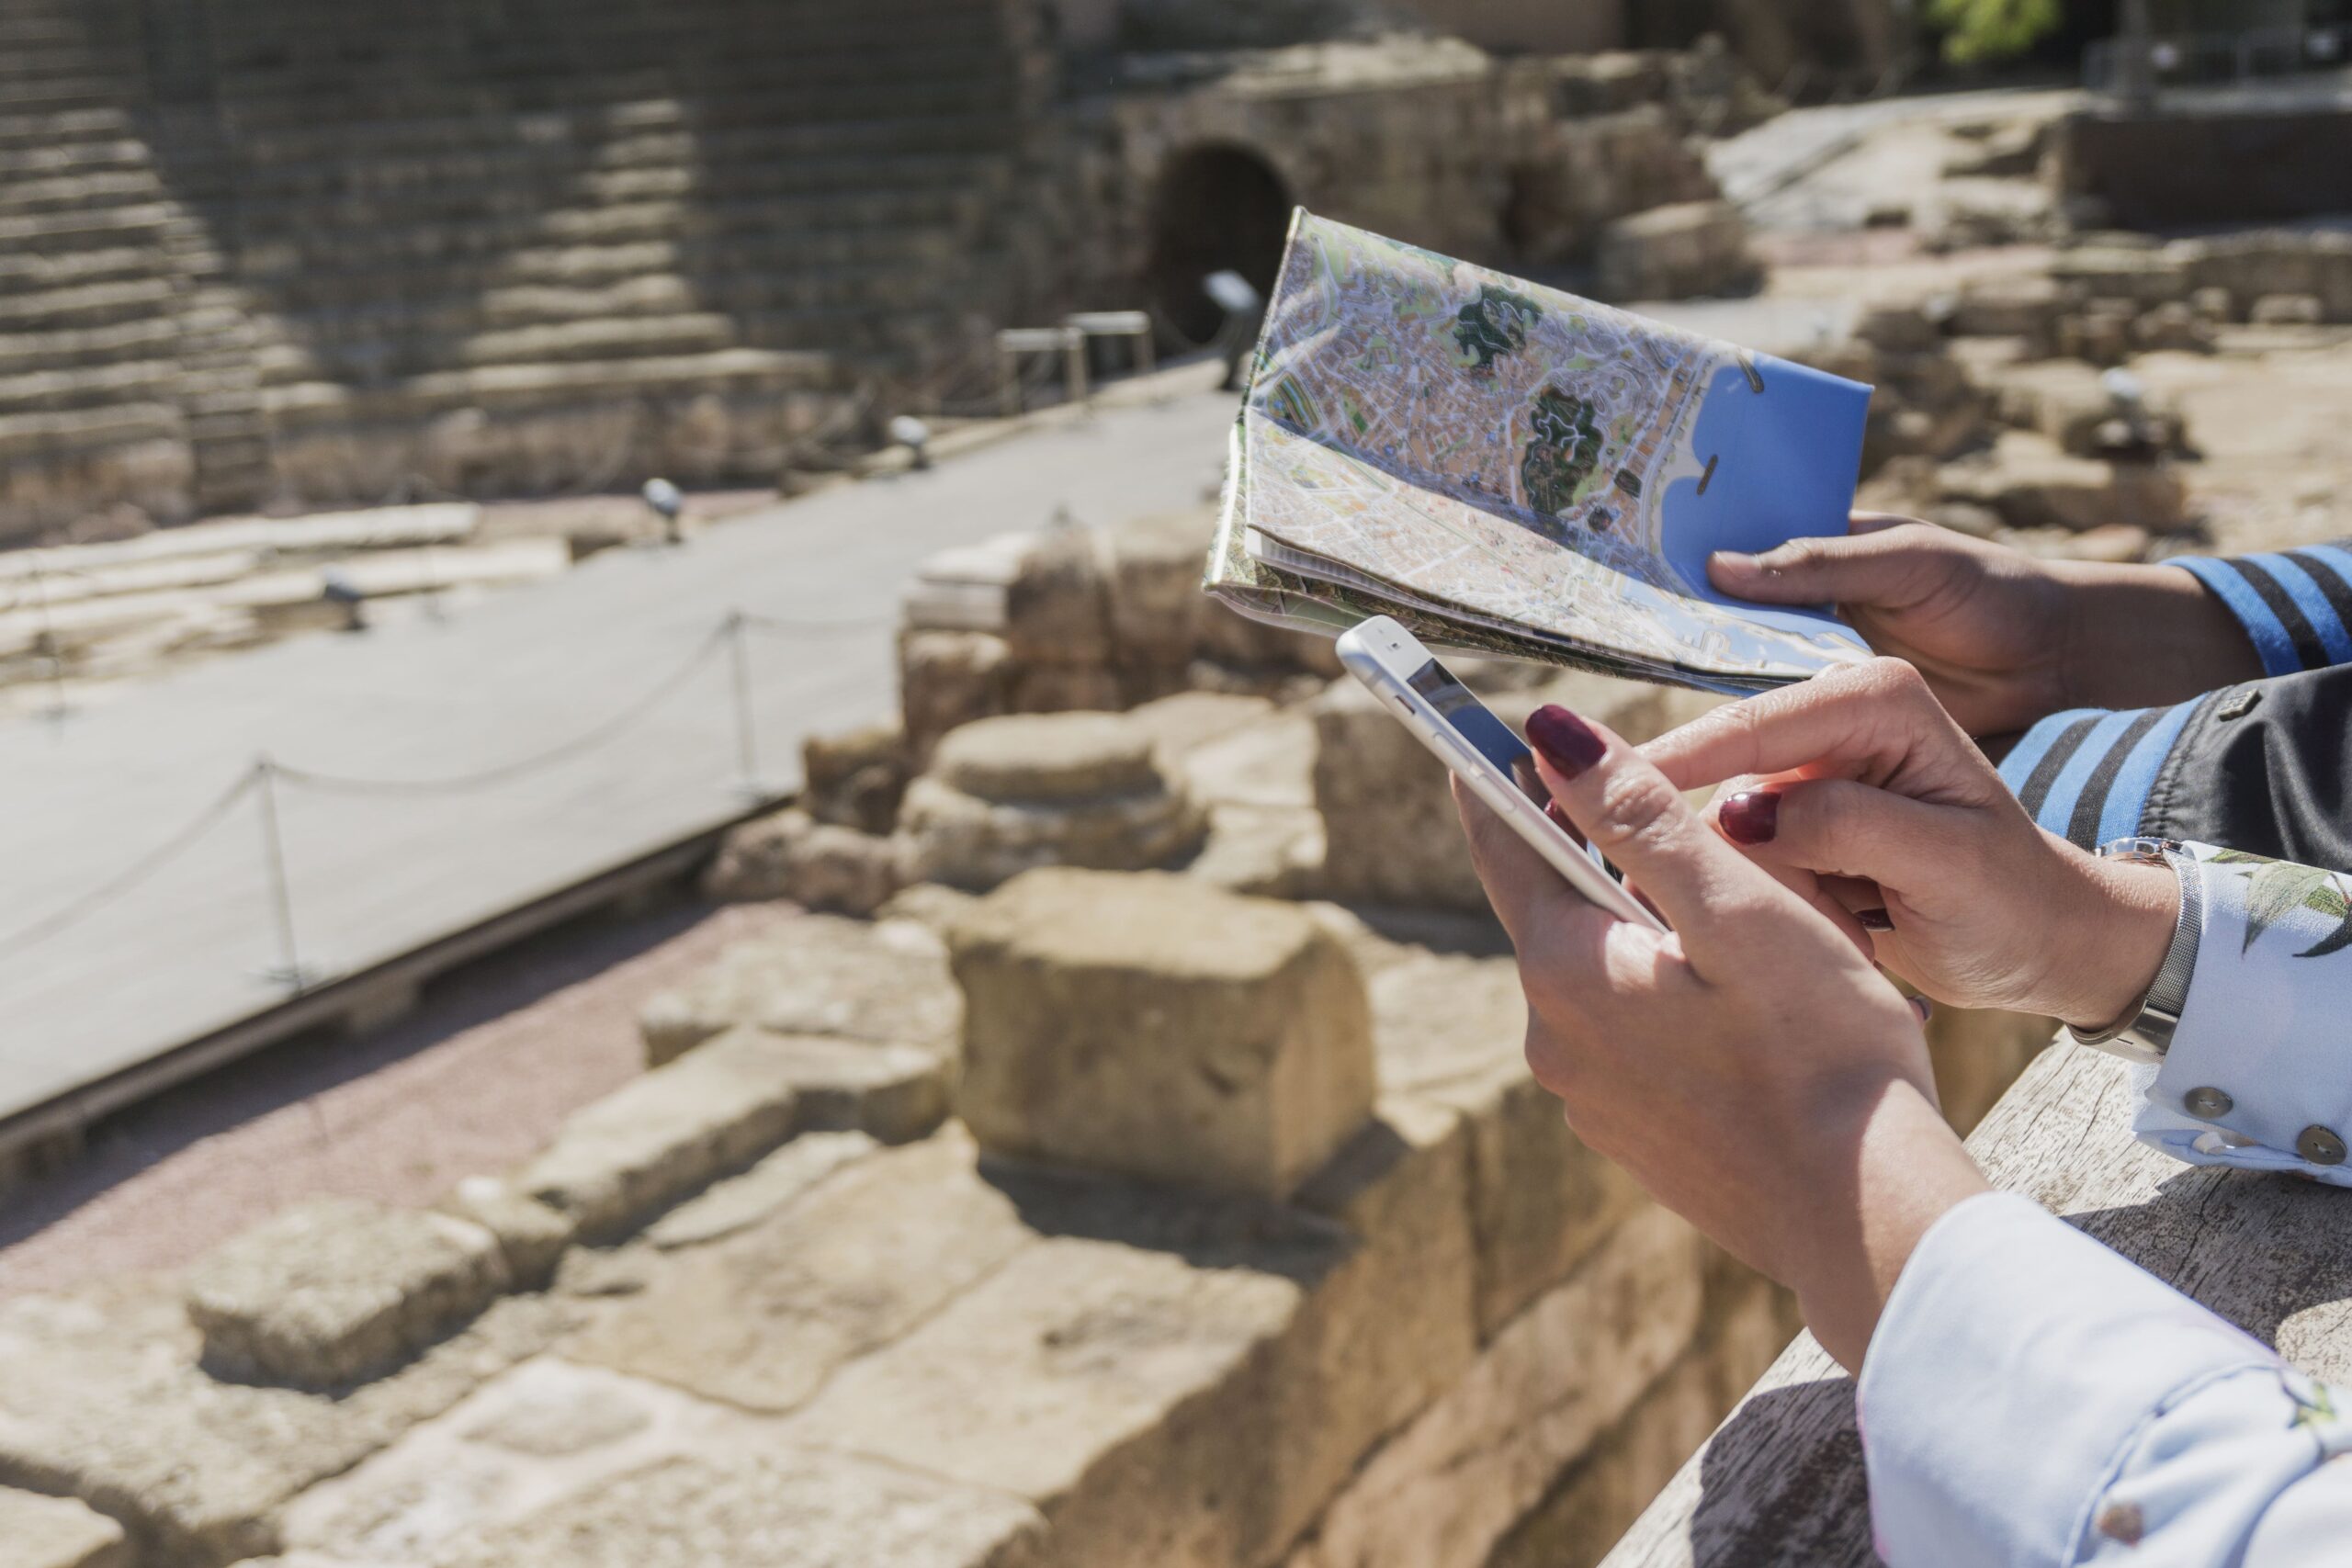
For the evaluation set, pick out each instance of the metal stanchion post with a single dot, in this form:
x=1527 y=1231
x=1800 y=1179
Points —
x=59 y=707
x=747 y=751
x=289 y=971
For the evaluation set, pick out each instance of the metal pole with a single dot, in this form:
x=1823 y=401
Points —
x=281 y=894
x=49 y=640
x=747 y=753
x=2136 y=67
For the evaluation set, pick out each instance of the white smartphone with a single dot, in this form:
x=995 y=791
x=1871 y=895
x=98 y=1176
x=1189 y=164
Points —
x=1480 y=748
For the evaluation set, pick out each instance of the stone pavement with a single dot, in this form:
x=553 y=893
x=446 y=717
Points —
x=375 y=876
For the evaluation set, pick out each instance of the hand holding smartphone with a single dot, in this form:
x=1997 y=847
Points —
x=1481 y=749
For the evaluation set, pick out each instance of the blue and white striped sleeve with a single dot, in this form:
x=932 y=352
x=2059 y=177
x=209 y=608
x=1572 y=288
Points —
x=2296 y=606
x=2087 y=775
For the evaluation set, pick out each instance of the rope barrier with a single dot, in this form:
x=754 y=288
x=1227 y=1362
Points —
x=459 y=784
x=105 y=893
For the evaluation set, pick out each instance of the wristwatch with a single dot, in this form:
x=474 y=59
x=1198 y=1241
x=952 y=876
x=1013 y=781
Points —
x=2144 y=1033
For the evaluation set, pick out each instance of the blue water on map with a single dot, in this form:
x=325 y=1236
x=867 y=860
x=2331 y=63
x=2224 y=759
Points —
x=1786 y=460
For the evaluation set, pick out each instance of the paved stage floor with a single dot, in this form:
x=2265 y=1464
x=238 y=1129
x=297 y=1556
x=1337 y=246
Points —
x=374 y=875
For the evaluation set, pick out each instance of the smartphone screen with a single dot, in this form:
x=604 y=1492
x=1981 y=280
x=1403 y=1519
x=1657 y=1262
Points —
x=1474 y=722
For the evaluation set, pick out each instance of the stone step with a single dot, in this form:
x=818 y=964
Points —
x=47 y=433
x=49 y=95
x=59 y=233
x=30 y=273
x=20 y=129
x=820 y=99
x=94 y=305
x=97 y=155
x=79 y=191
x=296 y=405
x=142 y=337
x=96 y=386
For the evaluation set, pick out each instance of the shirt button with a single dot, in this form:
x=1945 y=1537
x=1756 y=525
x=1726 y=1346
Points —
x=2206 y=1103
x=2320 y=1146
x=2239 y=704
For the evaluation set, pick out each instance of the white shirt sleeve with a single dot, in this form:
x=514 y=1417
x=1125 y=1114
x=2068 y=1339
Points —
x=2259 y=1072
x=2032 y=1399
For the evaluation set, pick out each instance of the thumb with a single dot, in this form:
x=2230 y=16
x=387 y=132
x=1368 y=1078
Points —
x=1628 y=810
x=1883 y=565
x=1840 y=827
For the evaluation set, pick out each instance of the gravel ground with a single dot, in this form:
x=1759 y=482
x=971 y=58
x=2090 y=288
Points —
x=474 y=1080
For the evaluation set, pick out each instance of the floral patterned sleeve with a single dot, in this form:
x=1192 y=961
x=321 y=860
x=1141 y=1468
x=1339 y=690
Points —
x=2256 y=1073
x=2031 y=1400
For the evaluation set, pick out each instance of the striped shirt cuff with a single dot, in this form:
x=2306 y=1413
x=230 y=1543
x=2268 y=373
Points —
x=2296 y=606
x=2085 y=775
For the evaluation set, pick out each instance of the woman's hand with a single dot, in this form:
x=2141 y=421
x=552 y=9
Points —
x=2003 y=639
x=1861 y=793
x=1751 y=1070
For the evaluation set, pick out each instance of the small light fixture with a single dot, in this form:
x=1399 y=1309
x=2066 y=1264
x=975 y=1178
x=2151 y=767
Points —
x=915 y=436
x=667 y=502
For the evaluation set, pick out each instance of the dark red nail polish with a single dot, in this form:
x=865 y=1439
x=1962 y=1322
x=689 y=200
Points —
x=1751 y=817
x=1873 y=920
x=1568 y=742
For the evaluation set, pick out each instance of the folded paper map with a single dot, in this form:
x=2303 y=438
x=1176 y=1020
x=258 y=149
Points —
x=1509 y=469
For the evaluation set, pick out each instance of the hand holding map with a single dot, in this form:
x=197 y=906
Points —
x=1509 y=469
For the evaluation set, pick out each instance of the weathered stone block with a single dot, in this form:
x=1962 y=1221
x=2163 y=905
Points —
x=2034 y=485
x=58 y=1532
x=1676 y=252
x=854 y=779
x=627 y=1157
x=1446 y=1489
x=1055 y=608
x=1157 y=1027
x=761 y=1318
x=101 y=1398
x=2023 y=306
x=740 y=1201
x=1083 y=789
x=1451 y=1030
x=1127 y=1394
x=947 y=679
x=338 y=1291
x=531 y=1235
x=1154 y=584
x=755 y=1509
x=886 y=982
x=817 y=865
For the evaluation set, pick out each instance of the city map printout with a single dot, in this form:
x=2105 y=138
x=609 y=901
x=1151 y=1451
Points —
x=1509 y=469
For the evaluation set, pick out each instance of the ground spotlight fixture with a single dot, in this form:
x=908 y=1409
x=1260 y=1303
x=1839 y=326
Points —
x=915 y=436
x=337 y=588
x=667 y=502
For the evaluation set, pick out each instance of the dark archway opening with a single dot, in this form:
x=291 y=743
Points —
x=1216 y=208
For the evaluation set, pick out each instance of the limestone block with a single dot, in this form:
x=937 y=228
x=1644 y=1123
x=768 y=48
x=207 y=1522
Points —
x=1154 y=584
x=2026 y=307
x=101 y=1398
x=1161 y=1028
x=1048 y=757
x=1127 y=1392
x=1446 y=1489
x=854 y=779
x=886 y=982
x=2288 y=311
x=1451 y=1030
x=1262 y=851
x=947 y=679
x=1181 y=724
x=761 y=1318
x=1899 y=329
x=741 y=1202
x=1392 y=833
x=1676 y=252
x=732 y=1508
x=58 y=1532
x=818 y=865
x=2145 y=277
x=531 y=1235
x=890 y=1092
x=625 y=1158
x=1083 y=789
x=1391 y=1327
x=1057 y=608
x=338 y=1291
x=2031 y=484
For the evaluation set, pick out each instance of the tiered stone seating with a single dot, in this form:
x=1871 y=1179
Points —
x=300 y=233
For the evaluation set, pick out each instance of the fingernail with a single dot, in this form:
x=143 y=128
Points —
x=1751 y=817
x=1873 y=920
x=1568 y=742
x=1736 y=560
x=1924 y=1007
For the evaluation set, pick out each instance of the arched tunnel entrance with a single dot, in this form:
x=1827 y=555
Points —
x=1215 y=208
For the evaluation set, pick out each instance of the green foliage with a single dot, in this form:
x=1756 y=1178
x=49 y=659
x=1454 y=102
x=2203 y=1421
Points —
x=1979 y=30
